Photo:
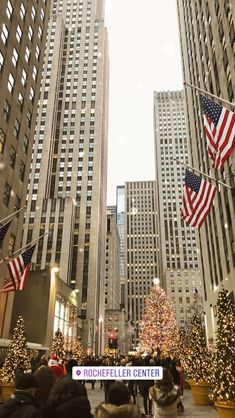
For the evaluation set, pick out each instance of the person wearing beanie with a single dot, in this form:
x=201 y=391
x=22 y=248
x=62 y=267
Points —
x=23 y=404
x=68 y=399
x=53 y=363
x=119 y=403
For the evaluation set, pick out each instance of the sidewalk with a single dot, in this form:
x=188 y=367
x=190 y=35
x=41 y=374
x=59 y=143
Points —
x=191 y=410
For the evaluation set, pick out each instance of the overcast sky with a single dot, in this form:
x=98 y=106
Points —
x=144 y=57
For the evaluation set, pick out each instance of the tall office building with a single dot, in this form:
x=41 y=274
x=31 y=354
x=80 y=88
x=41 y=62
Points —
x=142 y=249
x=112 y=264
x=179 y=255
x=207 y=38
x=120 y=200
x=67 y=191
x=23 y=26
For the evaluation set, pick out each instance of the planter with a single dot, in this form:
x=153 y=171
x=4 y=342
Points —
x=7 y=390
x=200 y=391
x=225 y=409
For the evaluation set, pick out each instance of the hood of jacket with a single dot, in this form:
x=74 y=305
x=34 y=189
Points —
x=113 y=411
x=72 y=408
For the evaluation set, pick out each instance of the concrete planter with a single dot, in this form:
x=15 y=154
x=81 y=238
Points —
x=225 y=409
x=7 y=390
x=200 y=391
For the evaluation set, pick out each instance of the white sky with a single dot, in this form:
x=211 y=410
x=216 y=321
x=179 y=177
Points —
x=144 y=57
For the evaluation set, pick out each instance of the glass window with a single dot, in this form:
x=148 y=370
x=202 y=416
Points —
x=18 y=33
x=6 y=110
x=20 y=100
x=35 y=72
x=6 y=194
x=33 y=12
x=23 y=77
x=11 y=82
x=16 y=128
x=27 y=54
x=4 y=34
x=15 y=57
x=1 y=61
x=21 y=171
x=12 y=156
x=29 y=118
x=22 y=11
x=42 y=14
x=11 y=245
x=9 y=9
x=2 y=141
x=39 y=32
x=31 y=94
x=37 y=52
x=30 y=32
x=25 y=144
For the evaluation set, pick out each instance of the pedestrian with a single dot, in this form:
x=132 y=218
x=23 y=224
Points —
x=119 y=404
x=57 y=369
x=68 y=399
x=69 y=366
x=165 y=396
x=46 y=379
x=177 y=379
x=144 y=386
x=23 y=404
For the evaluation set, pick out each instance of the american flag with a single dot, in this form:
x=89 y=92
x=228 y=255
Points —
x=219 y=125
x=197 y=199
x=3 y=230
x=19 y=269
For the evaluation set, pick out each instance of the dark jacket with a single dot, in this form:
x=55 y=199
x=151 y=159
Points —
x=21 y=406
x=73 y=408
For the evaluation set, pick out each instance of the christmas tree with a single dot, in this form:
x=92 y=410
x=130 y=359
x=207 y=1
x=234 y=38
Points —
x=58 y=344
x=78 y=351
x=17 y=356
x=223 y=372
x=183 y=349
x=158 y=328
x=197 y=356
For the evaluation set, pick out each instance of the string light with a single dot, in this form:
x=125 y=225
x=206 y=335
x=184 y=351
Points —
x=58 y=345
x=78 y=351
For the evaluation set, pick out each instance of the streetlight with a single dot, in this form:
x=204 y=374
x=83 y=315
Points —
x=156 y=281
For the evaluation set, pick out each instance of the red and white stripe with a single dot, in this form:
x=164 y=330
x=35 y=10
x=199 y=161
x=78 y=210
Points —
x=16 y=269
x=196 y=206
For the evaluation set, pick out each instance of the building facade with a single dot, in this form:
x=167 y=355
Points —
x=120 y=200
x=112 y=266
x=207 y=37
x=142 y=249
x=67 y=190
x=23 y=26
x=179 y=246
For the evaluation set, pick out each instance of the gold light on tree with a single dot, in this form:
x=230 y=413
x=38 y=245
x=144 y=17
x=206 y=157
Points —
x=158 y=328
x=198 y=357
x=223 y=375
x=78 y=351
x=58 y=344
x=17 y=356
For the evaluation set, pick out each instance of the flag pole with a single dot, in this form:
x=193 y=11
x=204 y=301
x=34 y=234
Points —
x=23 y=248
x=13 y=214
x=204 y=174
x=209 y=94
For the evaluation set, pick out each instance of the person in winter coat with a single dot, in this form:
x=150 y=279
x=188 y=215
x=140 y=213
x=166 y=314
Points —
x=23 y=404
x=54 y=365
x=119 y=404
x=46 y=379
x=165 y=397
x=68 y=399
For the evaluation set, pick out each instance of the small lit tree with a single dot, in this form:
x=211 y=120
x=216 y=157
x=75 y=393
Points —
x=58 y=344
x=197 y=356
x=158 y=328
x=223 y=372
x=17 y=356
x=78 y=351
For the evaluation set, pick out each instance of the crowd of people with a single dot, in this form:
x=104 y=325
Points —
x=50 y=392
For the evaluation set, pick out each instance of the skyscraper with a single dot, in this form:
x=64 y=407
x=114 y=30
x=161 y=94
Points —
x=112 y=265
x=67 y=191
x=178 y=242
x=142 y=249
x=120 y=197
x=23 y=27
x=207 y=39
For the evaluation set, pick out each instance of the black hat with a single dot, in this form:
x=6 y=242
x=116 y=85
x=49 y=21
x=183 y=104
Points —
x=26 y=381
x=118 y=394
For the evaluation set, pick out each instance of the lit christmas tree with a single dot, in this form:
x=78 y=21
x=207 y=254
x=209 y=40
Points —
x=17 y=356
x=183 y=349
x=78 y=351
x=58 y=344
x=223 y=373
x=158 y=328
x=197 y=356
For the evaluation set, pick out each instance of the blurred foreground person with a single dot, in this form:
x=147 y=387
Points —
x=119 y=404
x=46 y=379
x=68 y=399
x=165 y=397
x=23 y=404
